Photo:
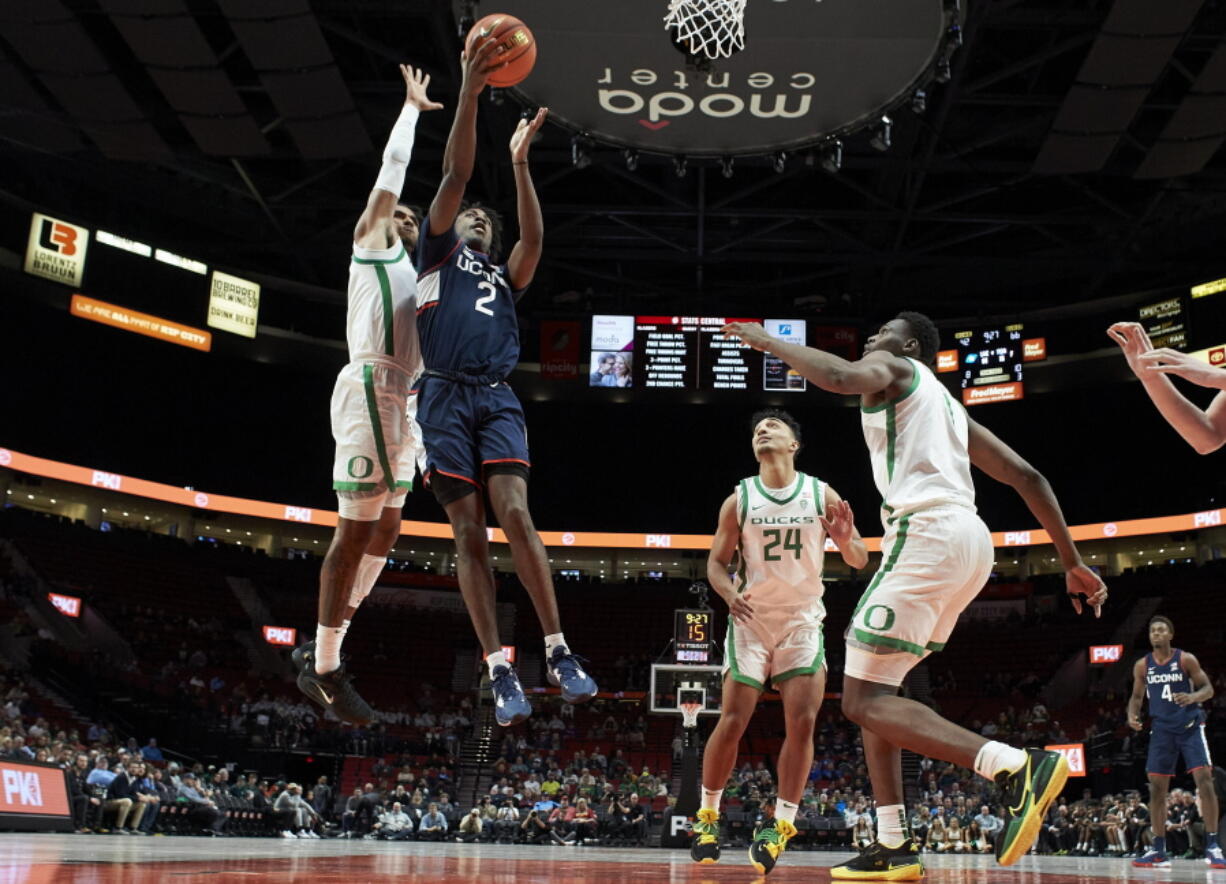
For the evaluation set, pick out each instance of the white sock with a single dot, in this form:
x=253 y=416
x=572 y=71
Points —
x=995 y=757
x=328 y=647
x=786 y=811
x=552 y=641
x=711 y=798
x=498 y=658
x=891 y=825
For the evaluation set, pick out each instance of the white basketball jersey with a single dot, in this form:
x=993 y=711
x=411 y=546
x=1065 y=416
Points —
x=382 y=315
x=918 y=447
x=783 y=543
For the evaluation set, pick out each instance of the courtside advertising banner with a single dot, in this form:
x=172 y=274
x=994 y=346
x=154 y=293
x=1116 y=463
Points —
x=34 y=797
x=1101 y=654
x=56 y=250
x=1074 y=754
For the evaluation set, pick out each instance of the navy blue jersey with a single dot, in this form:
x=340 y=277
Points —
x=1162 y=681
x=465 y=308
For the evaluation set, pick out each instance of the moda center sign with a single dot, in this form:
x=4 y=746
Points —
x=809 y=69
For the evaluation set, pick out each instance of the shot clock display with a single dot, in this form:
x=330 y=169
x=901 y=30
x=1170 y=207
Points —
x=692 y=635
x=989 y=362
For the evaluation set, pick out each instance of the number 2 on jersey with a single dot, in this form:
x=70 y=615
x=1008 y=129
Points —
x=790 y=540
x=481 y=302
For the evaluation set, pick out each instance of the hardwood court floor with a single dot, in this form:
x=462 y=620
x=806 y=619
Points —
x=101 y=859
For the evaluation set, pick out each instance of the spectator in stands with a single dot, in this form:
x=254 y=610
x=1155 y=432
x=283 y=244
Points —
x=203 y=810
x=861 y=829
x=470 y=826
x=121 y=798
x=506 y=825
x=989 y=824
x=634 y=821
x=433 y=826
x=294 y=815
x=955 y=839
x=369 y=809
x=534 y=827
x=976 y=841
x=321 y=798
x=936 y=842
x=585 y=821
x=80 y=793
x=151 y=752
x=920 y=820
x=145 y=792
x=562 y=822
x=1136 y=827
x=393 y=825
x=349 y=817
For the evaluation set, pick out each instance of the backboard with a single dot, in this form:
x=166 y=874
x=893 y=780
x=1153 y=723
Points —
x=671 y=683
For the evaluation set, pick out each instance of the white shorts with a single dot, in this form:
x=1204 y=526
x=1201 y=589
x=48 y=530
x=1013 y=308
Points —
x=778 y=645
x=935 y=562
x=376 y=439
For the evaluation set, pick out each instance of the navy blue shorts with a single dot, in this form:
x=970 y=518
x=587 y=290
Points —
x=1165 y=747
x=468 y=428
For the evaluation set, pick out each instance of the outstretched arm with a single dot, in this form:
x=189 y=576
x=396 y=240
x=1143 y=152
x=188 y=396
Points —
x=461 y=147
x=372 y=227
x=875 y=373
x=521 y=266
x=1005 y=465
x=1204 y=430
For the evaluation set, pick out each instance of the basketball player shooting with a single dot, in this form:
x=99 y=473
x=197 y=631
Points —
x=937 y=556
x=778 y=521
x=375 y=450
x=472 y=423
x=1176 y=686
x=1203 y=429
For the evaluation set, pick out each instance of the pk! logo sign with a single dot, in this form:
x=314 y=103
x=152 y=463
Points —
x=56 y=250
x=68 y=605
x=1106 y=653
x=22 y=788
x=281 y=635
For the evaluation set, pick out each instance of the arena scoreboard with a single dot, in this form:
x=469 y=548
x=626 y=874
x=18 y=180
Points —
x=692 y=635
x=989 y=362
x=688 y=353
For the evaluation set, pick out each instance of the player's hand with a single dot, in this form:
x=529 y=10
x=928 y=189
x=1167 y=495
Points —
x=749 y=333
x=1167 y=361
x=1135 y=724
x=416 y=81
x=1182 y=699
x=740 y=609
x=479 y=65
x=1133 y=341
x=839 y=523
x=1082 y=581
x=521 y=138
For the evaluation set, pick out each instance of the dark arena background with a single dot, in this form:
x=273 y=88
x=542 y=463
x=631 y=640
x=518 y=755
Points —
x=179 y=183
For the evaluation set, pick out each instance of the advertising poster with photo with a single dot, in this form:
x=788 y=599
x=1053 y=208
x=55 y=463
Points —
x=612 y=363
x=775 y=374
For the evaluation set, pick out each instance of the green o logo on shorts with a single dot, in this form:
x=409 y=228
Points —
x=871 y=614
x=362 y=462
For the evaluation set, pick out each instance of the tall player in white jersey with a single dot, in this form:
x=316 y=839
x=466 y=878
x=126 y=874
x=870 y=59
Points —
x=937 y=555
x=778 y=522
x=375 y=448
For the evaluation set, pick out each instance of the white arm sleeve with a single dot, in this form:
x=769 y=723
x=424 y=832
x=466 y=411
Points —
x=396 y=154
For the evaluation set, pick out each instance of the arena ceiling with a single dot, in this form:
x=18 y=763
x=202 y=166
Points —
x=1073 y=153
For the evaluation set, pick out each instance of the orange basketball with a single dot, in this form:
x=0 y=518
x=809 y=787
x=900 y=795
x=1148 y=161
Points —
x=516 y=47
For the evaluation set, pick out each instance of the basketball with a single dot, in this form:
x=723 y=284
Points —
x=516 y=47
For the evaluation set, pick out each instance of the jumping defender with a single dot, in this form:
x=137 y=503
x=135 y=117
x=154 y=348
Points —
x=375 y=446
x=472 y=423
x=778 y=522
x=937 y=555
x=1176 y=686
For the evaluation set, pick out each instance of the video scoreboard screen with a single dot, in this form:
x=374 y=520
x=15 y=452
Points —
x=990 y=361
x=688 y=353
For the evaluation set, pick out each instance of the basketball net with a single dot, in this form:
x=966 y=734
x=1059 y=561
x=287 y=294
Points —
x=708 y=28
x=689 y=714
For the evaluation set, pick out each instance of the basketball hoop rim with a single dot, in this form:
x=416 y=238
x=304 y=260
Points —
x=689 y=713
